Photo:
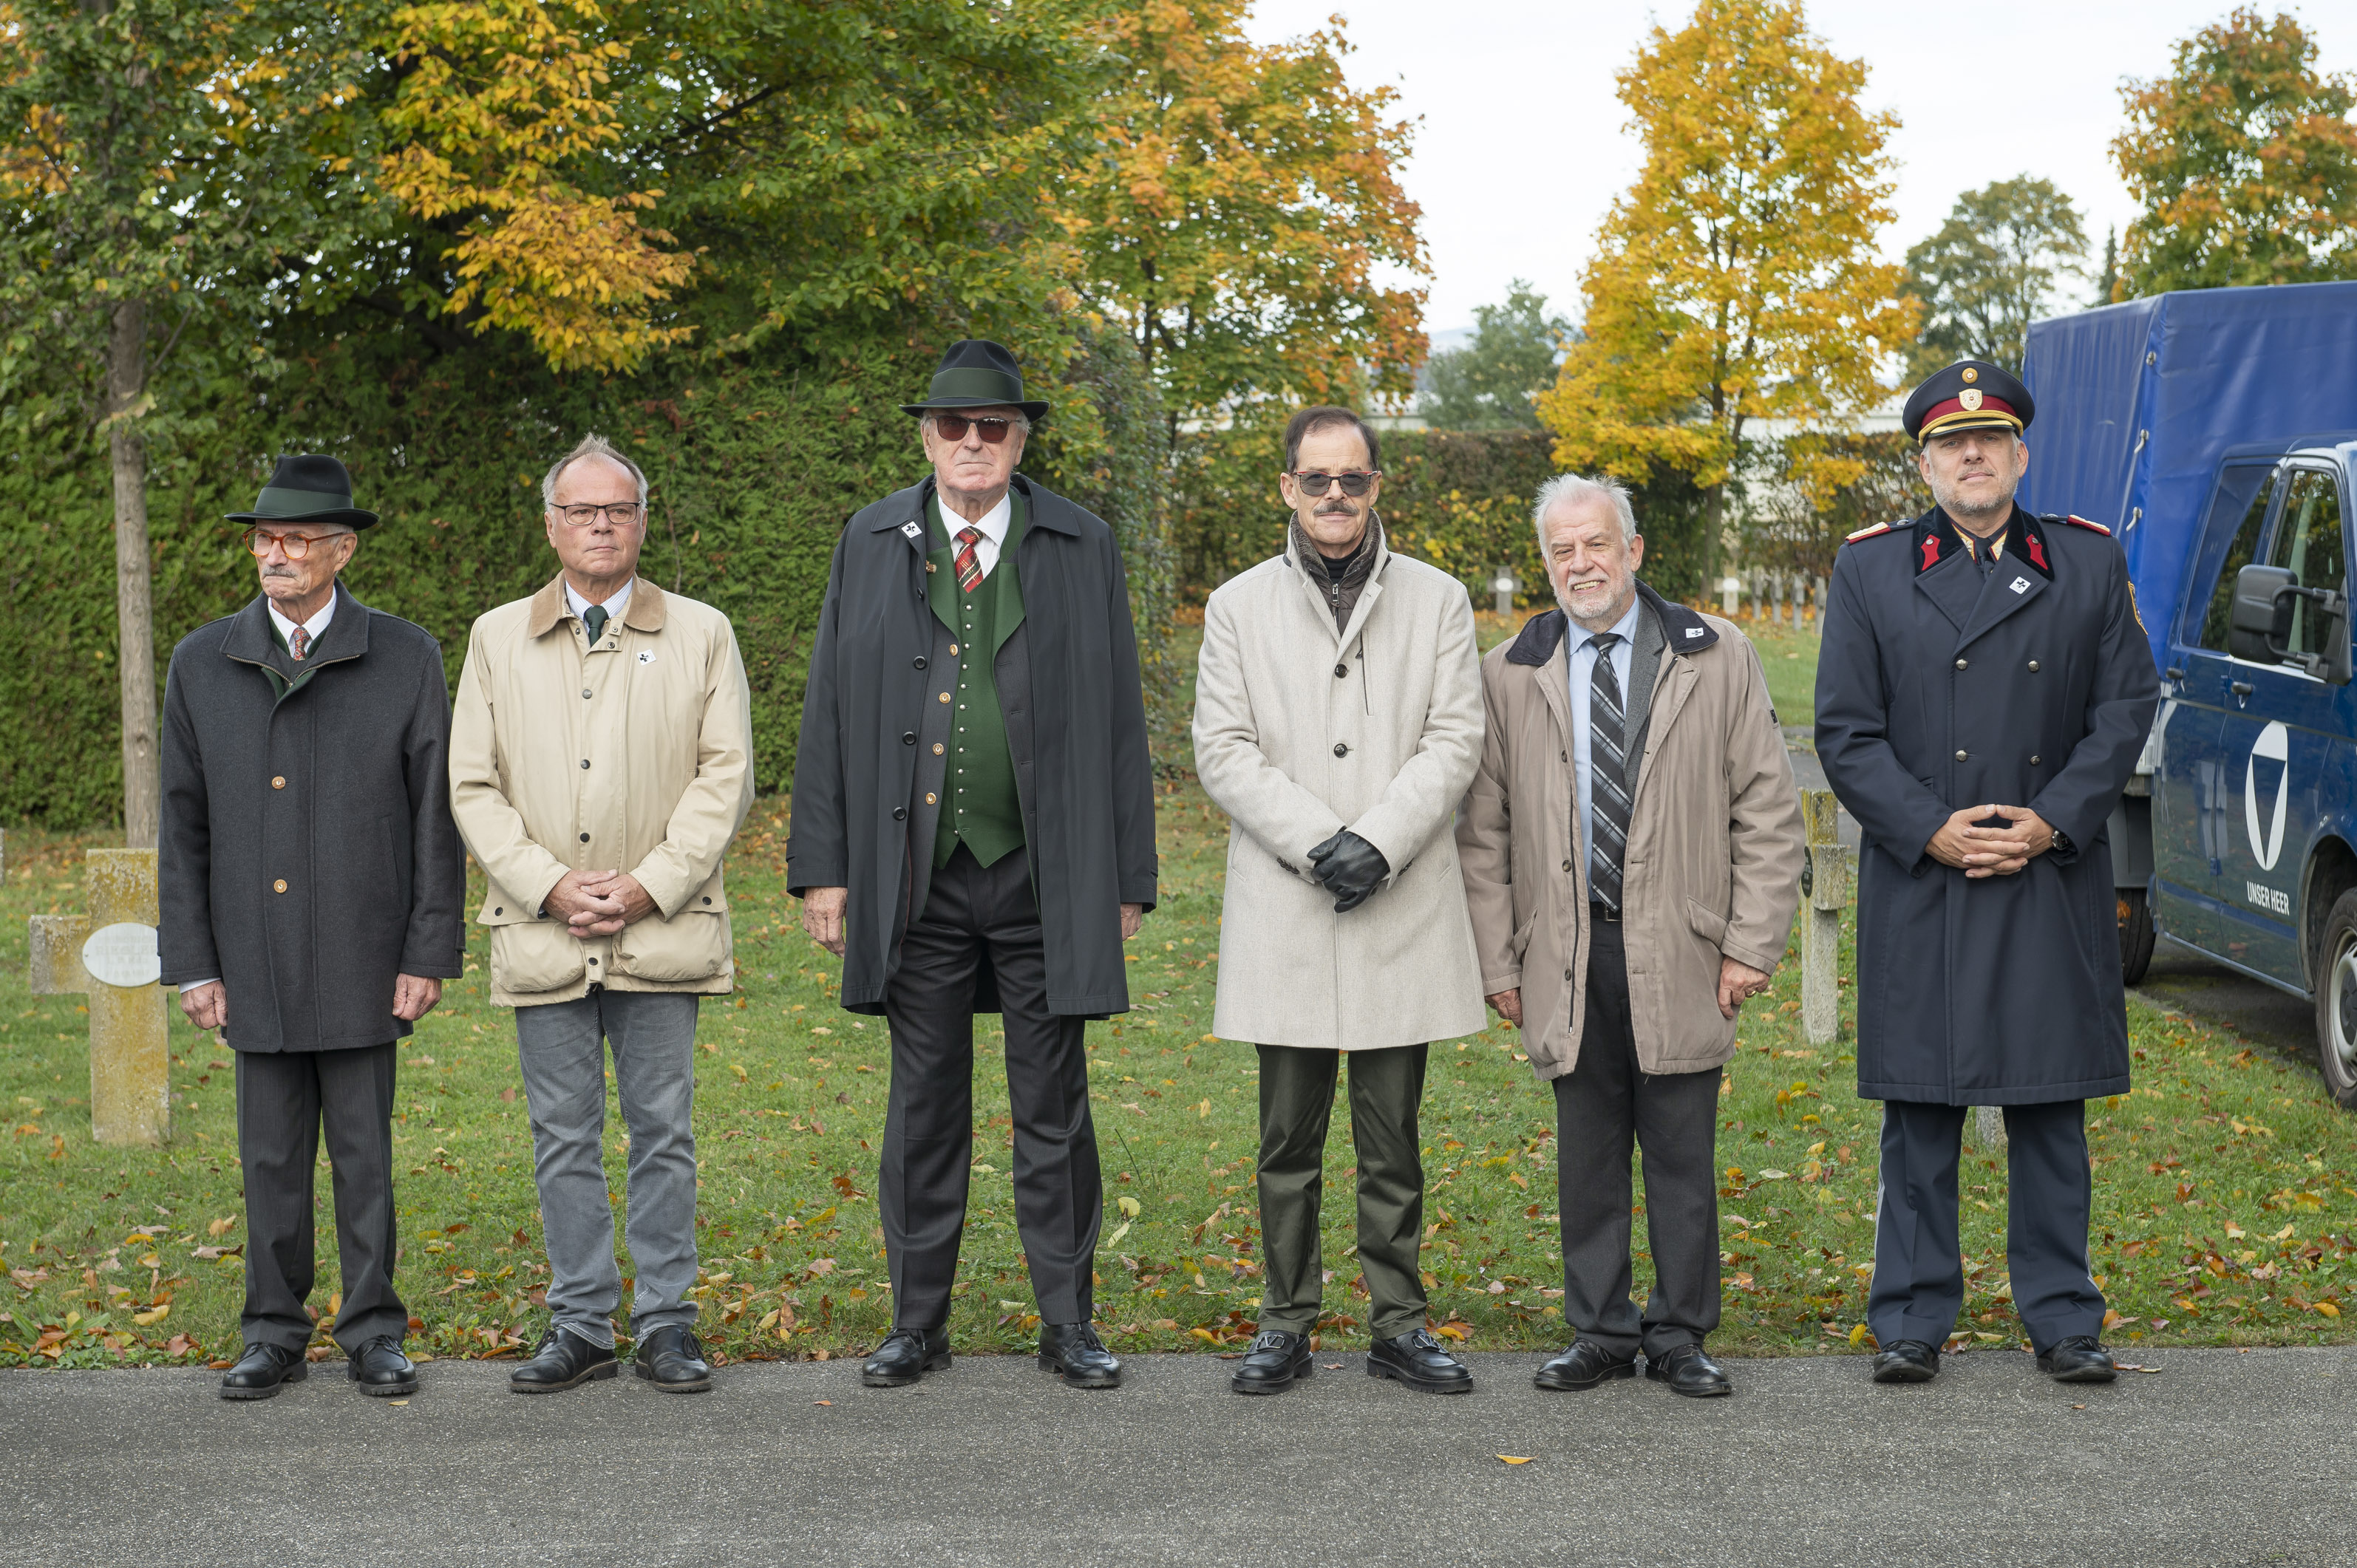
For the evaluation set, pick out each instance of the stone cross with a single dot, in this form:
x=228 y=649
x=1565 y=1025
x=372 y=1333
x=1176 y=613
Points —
x=109 y=954
x=1826 y=884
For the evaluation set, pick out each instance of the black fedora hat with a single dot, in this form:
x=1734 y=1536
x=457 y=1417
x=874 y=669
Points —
x=977 y=374
x=308 y=487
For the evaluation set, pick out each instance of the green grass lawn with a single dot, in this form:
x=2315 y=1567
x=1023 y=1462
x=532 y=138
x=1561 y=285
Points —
x=2224 y=1207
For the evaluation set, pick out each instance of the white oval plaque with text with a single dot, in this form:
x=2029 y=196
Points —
x=122 y=954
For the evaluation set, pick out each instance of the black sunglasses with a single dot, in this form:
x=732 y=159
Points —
x=952 y=427
x=1353 y=483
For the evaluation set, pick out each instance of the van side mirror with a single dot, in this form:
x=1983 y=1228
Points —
x=2260 y=629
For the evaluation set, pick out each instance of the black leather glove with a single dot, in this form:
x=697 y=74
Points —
x=1350 y=867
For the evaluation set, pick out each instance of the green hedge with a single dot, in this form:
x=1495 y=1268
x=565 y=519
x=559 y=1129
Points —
x=753 y=471
x=1458 y=499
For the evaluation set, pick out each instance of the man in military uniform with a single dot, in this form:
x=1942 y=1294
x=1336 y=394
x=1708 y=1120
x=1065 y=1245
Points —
x=1983 y=692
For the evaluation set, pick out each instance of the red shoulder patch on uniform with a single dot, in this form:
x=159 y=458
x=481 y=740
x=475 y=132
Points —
x=2083 y=522
x=1868 y=532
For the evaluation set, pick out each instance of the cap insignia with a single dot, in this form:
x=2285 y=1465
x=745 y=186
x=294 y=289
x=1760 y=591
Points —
x=1971 y=398
x=1970 y=375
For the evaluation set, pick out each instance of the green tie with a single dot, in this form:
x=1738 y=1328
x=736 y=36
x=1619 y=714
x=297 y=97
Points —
x=594 y=617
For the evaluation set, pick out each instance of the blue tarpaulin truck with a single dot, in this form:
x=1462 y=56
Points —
x=2215 y=434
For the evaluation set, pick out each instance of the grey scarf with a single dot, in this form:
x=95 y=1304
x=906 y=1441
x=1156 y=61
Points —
x=1340 y=581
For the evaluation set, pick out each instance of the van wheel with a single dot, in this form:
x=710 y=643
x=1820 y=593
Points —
x=2136 y=934
x=2336 y=1000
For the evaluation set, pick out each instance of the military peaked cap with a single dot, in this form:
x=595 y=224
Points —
x=1970 y=394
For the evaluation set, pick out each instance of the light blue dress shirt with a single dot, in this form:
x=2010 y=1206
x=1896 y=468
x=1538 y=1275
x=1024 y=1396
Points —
x=1580 y=657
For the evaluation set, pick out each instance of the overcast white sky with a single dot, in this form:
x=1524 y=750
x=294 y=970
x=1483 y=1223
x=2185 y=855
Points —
x=1522 y=148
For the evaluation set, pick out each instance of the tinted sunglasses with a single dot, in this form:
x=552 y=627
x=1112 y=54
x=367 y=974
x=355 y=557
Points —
x=952 y=427
x=1353 y=483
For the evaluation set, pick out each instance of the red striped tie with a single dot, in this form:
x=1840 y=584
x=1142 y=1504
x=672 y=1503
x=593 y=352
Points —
x=969 y=563
x=299 y=643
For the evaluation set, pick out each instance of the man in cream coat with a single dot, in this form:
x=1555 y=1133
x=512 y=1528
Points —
x=1338 y=722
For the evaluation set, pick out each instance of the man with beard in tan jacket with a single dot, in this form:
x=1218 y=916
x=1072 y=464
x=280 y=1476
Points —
x=1632 y=849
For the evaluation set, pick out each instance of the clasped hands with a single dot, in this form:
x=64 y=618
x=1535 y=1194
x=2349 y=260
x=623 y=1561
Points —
x=1350 y=867
x=597 y=903
x=1979 y=851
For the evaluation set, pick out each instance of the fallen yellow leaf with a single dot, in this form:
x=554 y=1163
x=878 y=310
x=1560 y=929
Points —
x=2327 y=1308
x=220 y=1227
x=1127 y=1205
x=1858 y=1336
x=1515 y=1459
x=1117 y=1234
x=143 y=1318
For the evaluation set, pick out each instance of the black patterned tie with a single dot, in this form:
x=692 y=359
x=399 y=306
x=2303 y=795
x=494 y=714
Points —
x=1608 y=777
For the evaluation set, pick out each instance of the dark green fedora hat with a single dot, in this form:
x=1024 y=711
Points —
x=308 y=487
x=977 y=374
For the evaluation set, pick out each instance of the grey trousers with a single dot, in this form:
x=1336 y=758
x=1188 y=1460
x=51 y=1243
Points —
x=1296 y=1100
x=561 y=1045
x=1600 y=1107
x=1919 y=1274
x=283 y=1100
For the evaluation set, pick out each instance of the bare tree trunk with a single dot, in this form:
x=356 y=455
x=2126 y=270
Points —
x=126 y=383
x=1713 y=520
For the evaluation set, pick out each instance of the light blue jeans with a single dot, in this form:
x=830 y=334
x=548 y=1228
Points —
x=561 y=1046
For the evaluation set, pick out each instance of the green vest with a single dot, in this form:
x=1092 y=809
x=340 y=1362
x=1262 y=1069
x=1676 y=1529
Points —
x=980 y=809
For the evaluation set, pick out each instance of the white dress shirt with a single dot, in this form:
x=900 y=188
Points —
x=994 y=526
x=1580 y=657
x=614 y=606
x=314 y=626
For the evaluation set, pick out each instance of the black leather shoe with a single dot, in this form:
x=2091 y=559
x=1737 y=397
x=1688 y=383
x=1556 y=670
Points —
x=561 y=1359
x=905 y=1356
x=382 y=1369
x=1689 y=1370
x=2082 y=1359
x=1417 y=1360
x=1906 y=1361
x=672 y=1357
x=262 y=1371
x=1074 y=1353
x=1275 y=1363
x=1584 y=1366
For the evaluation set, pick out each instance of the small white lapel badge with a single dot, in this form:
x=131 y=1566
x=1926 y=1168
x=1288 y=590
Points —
x=1694 y=631
x=2020 y=584
x=911 y=530
x=646 y=657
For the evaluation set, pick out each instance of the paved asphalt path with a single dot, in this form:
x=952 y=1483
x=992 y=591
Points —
x=2218 y=1458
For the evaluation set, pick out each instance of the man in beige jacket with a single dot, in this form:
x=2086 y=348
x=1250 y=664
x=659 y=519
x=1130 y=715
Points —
x=1338 y=715
x=600 y=761
x=1632 y=851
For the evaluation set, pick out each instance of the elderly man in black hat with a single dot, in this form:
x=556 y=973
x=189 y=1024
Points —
x=311 y=887
x=973 y=833
x=1983 y=692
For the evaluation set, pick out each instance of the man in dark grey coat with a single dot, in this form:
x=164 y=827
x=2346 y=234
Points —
x=1983 y=692
x=973 y=833
x=311 y=888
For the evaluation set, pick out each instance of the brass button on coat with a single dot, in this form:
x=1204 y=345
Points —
x=2033 y=760
x=1963 y=663
x=2033 y=667
x=278 y=781
x=944 y=697
x=279 y=886
x=1961 y=756
x=937 y=748
x=930 y=801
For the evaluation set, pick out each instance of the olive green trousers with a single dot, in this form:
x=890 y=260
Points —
x=1297 y=1102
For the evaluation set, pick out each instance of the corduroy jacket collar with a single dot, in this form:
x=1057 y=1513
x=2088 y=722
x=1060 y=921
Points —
x=548 y=607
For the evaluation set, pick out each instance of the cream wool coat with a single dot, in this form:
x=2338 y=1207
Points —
x=1299 y=732
x=636 y=753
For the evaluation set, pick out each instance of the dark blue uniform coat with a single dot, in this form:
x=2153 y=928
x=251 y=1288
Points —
x=1942 y=685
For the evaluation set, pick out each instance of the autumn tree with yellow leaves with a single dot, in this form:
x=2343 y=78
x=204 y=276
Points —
x=1240 y=212
x=1737 y=280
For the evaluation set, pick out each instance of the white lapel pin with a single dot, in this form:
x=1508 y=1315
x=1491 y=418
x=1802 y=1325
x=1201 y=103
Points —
x=646 y=657
x=2020 y=584
x=911 y=530
x=1694 y=631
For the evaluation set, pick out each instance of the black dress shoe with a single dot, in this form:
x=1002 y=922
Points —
x=672 y=1357
x=905 y=1356
x=1074 y=1353
x=1275 y=1361
x=262 y=1371
x=561 y=1360
x=1906 y=1361
x=1584 y=1366
x=381 y=1369
x=2082 y=1359
x=1689 y=1370
x=1417 y=1360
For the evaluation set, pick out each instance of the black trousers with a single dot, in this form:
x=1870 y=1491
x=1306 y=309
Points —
x=1919 y=1273
x=284 y=1098
x=974 y=914
x=1599 y=1107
